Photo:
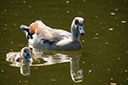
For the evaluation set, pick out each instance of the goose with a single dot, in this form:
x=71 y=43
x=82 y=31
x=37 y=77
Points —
x=42 y=36
x=25 y=56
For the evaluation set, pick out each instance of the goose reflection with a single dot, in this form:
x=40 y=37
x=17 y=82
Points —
x=25 y=69
x=41 y=57
x=22 y=59
x=54 y=57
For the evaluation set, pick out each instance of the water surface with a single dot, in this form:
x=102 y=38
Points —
x=105 y=45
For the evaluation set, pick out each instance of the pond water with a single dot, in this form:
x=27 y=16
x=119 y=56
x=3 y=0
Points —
x=103 y=57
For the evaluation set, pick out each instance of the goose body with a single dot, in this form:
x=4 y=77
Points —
x=41 y=36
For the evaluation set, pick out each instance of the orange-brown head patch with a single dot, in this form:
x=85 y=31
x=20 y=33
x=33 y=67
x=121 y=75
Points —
x=33 y=27
x=76 y=21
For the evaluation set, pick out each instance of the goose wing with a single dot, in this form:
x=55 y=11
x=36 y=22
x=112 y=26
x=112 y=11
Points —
x=48 y=34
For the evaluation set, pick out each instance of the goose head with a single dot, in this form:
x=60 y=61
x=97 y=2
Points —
x=26 y=54
x=77 y=27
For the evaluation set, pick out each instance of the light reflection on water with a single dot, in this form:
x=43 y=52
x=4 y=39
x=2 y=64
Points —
x=47 y=57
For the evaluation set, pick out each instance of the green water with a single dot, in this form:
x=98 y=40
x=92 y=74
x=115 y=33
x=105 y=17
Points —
x=105 y=45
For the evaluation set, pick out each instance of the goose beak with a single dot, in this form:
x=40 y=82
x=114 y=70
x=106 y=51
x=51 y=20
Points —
x=29 y=56
x=81 y=30
x=27 y=59
x=24 y=27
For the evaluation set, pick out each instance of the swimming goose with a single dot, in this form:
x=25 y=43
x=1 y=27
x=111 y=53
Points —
x=41 y=36
x=24 y=56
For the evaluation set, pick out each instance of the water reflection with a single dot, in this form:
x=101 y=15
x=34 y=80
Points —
x=75 y=71
x=48 y=57
x=25 y=69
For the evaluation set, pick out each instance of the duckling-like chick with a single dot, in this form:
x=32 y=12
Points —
x=24 y=56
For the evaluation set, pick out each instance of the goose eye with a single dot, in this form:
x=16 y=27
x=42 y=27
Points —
x=30 y=48
x=25 y=51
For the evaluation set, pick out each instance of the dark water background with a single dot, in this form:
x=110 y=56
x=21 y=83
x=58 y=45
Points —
x=104 y=59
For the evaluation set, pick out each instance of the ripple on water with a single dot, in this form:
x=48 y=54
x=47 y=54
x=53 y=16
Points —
x=24 y=2
x=96 y=38
x=80 y=12
x=119 y=58
x=2 y=39
x=29 y=6
x=83 y=62
x=116 y=17
x=83 y=41
x=108 y=69
x=2 y=71
x=32 y=12
x=97 y=33
x=126 y=70
x=106 y=43
x=111 y=78
x=112 y=13
x=15 y=24
x=110 y=29
x=36 y=68
x=67 y=12
x=6 y=25
x=11 y=42
x=5 y=28
x=123 y=21
x=84 y=0
x=12 y=2
x=126 y=51
x=5 y=10
x=19 y=81
x=89 y=71
x=67 y=2
x=95 y=16
x=125 y=0
x=126 y=78
x=113 y=84
x=16 y=14
x=2 y=13
x=116 y=9
x=53 y=79
x=25 y=81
